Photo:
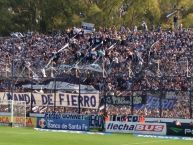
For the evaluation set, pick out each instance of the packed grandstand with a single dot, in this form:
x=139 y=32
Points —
x=153 y=65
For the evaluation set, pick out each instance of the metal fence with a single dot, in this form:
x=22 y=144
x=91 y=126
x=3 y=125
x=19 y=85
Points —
x=158 y=101
x=152 y=103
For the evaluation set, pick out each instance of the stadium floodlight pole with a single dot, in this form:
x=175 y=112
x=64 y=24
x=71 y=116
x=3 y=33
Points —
x=191 y=98
x=104 y=81
x=191 y=104
x=79 y=89
x=54 y=94
x=105 y=97
x=12 y=85
x=31 y=105
x=132 y=103
x=105 y=75
x=161 y=95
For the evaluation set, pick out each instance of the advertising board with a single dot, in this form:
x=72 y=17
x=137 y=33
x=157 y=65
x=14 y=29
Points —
x=151 y=128
x=59 y=124
x=184 y=130
x=135 y=127
x=120 y=127
x=6 y=120
x=127 y=118
x=58 y=121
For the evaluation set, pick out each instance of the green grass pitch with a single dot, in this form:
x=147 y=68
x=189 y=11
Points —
x=26 y=136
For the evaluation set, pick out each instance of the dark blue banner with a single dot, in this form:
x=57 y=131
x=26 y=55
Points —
x=154 y=103
x=96 y=122
x=63 y=124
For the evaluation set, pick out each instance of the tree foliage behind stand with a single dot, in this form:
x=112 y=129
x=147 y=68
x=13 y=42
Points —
x=49 y=15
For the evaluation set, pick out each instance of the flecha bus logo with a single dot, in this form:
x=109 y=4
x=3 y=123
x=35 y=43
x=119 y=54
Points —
x=149 y=127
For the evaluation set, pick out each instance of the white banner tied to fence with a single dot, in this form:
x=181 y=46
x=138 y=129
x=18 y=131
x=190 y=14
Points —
x=60 y=99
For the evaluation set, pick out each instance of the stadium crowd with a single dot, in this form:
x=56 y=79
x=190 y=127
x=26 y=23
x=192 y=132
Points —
x=120 y=62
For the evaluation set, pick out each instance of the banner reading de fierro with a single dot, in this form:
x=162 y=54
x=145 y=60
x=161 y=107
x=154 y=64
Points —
x=135 y=127
x=62 y=99
x=184 y=130
x=57 y=121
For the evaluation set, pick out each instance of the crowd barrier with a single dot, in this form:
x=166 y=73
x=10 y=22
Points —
x=71 y=122
x=137 y=128
x=113 y=124
x=58 y=121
